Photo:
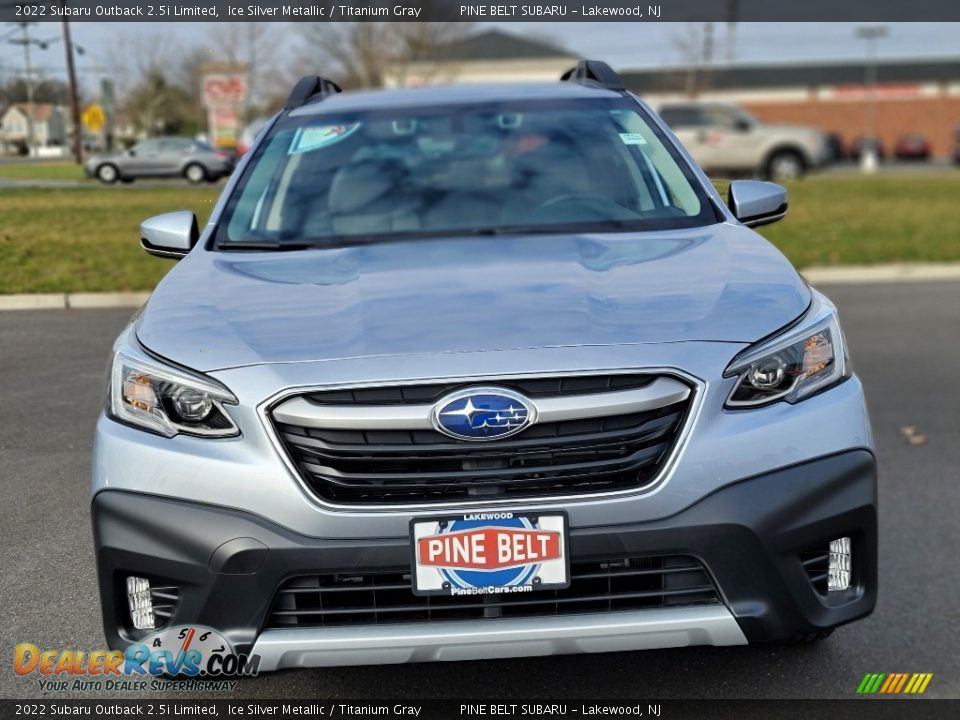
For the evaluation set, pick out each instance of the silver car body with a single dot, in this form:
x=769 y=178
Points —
x=681 y=303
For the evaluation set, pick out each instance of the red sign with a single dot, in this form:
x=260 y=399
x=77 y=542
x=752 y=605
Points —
x=489 y=548
x=224 y=89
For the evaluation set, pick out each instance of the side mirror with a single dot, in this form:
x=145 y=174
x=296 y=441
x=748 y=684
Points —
x=171 y=235
x=131 y=152
x=756 y=203
x=743 y=125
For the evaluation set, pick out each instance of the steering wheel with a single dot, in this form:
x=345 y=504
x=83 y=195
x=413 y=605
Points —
x=582 y=206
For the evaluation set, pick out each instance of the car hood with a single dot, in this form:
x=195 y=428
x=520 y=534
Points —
x=226 y=309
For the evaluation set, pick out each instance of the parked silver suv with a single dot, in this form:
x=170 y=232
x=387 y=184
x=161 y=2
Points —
x=479 y=372
x=724 y=138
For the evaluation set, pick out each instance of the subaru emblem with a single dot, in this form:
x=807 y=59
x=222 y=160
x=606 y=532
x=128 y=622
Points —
x=484 y=413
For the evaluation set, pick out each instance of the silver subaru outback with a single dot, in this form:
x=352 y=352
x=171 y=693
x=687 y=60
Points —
x=480 y=372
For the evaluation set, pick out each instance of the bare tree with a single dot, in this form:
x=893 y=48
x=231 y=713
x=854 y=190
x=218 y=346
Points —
x=365 y=54
x=695 y=46
x=158 y=105
x=132 y=56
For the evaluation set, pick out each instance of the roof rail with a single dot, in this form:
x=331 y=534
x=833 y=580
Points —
x=594 y=72
x=308 y=88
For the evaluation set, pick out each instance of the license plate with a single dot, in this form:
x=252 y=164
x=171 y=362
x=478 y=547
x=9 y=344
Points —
x=490 y=552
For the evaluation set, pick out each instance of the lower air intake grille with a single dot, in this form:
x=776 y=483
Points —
x=385 y=596
x=816 y=563
x=164 y=598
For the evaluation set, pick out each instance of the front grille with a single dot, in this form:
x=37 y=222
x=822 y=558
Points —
x=587 y=455
x=597 y=586
x=531 y=387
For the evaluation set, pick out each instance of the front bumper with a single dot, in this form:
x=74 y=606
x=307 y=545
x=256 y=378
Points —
x=750 y=536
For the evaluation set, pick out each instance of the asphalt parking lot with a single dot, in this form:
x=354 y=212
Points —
x=905 y=345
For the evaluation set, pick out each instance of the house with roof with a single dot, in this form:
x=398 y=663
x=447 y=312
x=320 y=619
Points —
x=49 y=126
x=487 y=56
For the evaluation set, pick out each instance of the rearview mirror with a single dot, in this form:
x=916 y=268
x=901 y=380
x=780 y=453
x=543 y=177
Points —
x=756 y=203
x=171 y=235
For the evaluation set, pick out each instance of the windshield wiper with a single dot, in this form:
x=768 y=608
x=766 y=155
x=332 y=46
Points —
x=353 y=240
x=583 y=227
x=266 y=245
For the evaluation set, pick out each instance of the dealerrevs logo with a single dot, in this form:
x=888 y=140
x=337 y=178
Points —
x=189 y=651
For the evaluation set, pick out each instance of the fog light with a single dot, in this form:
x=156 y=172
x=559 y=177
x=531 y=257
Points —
x=838 y=577
x=141 y=603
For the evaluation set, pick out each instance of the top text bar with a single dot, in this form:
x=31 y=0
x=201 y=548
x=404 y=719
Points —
x=451 y=11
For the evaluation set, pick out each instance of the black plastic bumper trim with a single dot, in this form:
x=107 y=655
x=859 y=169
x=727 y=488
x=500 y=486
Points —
x=749 y=535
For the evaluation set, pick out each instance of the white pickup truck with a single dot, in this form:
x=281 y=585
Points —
x=725 y=138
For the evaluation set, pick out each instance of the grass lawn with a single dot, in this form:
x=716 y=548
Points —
x=54 y=170
x=86 y=238
x=855 y=220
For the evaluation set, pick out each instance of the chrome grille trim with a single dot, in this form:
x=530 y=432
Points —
x=264 y=411
x=299 y=411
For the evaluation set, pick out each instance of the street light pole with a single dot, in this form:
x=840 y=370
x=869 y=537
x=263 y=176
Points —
x=871 y=34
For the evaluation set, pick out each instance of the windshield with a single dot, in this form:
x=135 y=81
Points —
x=541 y=166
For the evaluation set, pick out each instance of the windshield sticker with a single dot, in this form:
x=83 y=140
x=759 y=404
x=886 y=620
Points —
x=633 y=139
x=314 y=138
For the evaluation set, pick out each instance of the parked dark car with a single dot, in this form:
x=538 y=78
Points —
x=162 y=157
x=956 y=145
x=858 y=146
x=912 y=147
x=249 y=134
x=835 y=147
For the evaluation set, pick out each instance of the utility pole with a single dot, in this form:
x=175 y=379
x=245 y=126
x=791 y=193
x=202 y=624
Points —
x=708 y=43
x=26 y=41
x=74 y=98
x=730 y=46
x=871 y=34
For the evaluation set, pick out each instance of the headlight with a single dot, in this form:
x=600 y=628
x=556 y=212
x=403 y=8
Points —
x=166 y=400
x=792 y=366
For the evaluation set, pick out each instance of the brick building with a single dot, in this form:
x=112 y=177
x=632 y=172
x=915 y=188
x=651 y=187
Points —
x=913 y=96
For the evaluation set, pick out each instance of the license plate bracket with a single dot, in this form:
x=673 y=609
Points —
x=496 y=552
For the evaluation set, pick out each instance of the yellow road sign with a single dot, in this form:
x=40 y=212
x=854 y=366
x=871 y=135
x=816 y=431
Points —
x=93 y=117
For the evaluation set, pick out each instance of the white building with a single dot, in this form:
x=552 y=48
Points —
x=49 y=126
x=488 y=56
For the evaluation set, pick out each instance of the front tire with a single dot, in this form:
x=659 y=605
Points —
x=195 y=173
x=108 y=174
x=785 y=165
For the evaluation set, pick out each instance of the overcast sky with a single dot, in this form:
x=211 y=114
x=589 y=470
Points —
x=624 y=45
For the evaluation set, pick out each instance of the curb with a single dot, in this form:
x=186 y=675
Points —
x=71 y=301
x=900 y=272
x=846 y=275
